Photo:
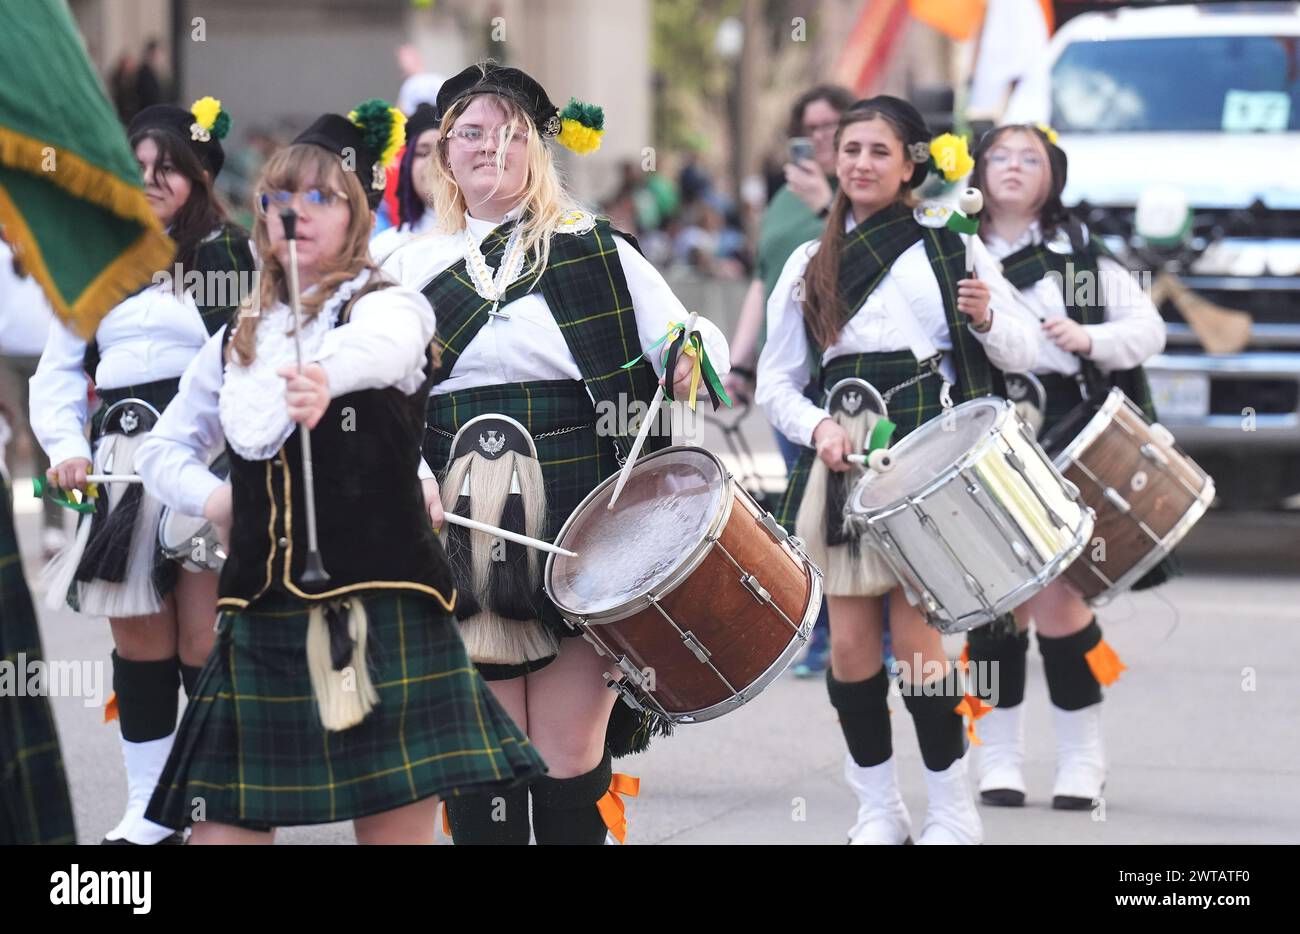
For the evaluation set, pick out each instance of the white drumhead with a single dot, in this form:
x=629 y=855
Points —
x=927 y=454
x=662 y=514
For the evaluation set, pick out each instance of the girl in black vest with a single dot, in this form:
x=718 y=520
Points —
x=161 y=616
x=352 y=697
x=849 y=301
x=540 y=305
x=1096 y=340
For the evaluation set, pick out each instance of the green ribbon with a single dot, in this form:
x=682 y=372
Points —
x=881 y=433
x=711 y=380
x=55 y=494
x=962 y=224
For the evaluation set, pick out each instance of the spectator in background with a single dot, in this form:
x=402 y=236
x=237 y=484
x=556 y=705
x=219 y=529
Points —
x=415 y=213
x=121 y=85
x=149 y=89
x=796 y=214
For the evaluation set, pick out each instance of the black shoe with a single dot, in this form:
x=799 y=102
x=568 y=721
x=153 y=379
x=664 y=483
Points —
x=176 y=839
x=1003 y=798
x=1071 y=803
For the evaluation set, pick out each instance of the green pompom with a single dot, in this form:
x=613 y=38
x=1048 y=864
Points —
x=376 y=123
x=589 y=115
x=221 y=126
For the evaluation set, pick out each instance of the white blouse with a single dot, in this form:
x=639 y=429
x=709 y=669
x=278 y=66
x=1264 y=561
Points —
x=382 y=344
x=528 y=345
x=783 y=366
x=386 y=242
x=153 y=335
x=1132 y=332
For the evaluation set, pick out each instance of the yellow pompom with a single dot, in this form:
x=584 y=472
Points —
x=951 y=156
x=1048 y=132
x=396 y=138
x=205 y=111
x=579 y=138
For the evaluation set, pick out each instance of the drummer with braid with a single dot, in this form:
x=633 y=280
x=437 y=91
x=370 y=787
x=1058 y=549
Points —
x=881 y=310
x=1095 y=340
x=555 y=325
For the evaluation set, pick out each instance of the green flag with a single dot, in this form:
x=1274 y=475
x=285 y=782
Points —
x=71 y=203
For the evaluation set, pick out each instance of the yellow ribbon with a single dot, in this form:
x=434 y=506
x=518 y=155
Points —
x=611 y=806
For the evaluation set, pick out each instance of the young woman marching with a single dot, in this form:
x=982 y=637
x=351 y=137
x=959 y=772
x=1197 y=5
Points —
x=161 y=616
x=415 y=216
x=1096 y=340
x=349 y=697
x=540 y=305
x=860 y=302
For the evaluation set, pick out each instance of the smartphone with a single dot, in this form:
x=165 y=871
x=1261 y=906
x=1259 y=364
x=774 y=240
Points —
x=801 y=149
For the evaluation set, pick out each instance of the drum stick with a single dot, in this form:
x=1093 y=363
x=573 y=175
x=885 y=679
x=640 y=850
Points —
x=971 y=203
x=651 y=416
x=880 y=461
x=508 y=536
x=313 y=569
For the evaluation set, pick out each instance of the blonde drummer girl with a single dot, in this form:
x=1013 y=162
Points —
x=548 y=317
x=884 y=301
x=1095 y=340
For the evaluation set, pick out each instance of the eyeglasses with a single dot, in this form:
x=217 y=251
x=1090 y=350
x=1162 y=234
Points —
x=1001 y=158
x=469 y=137
x=812 y=129
x=312 y=201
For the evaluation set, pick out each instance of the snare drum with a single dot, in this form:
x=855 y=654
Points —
x=1147 y=494
x=697 y=597
x=190 y=540
x=973 y=518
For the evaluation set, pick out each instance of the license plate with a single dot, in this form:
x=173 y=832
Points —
x=1180 y=397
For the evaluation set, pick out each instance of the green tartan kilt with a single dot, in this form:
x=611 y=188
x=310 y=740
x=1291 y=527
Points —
x=252 y=751
x=34 y=803
x=909 y=409
x=1062 y=399
x=573 y=462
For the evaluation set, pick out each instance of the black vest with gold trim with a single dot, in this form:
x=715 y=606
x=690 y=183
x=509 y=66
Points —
x=373 y=530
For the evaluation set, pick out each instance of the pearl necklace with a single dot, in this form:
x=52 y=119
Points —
x=493 y=288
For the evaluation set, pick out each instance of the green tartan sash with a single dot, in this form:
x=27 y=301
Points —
x=872 y=247
x=1031 y=264
x=587 y=294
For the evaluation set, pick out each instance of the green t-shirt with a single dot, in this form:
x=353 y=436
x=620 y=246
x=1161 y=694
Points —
x=787 y=223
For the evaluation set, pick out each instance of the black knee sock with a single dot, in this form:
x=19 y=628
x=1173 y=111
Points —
x=146 y=698
x=998 y=660
x=499 y=819
x=190 y=677
x=1070 y=681
x=564 y=809
x=938 y=725
x=863 y=707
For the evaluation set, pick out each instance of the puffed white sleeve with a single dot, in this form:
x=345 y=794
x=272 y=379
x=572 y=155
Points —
x=656 y=306
x=58 y=396
x=382 y=344
x=1012 y=341
x=783 y=369
x=173 y=460
x=1133 y=330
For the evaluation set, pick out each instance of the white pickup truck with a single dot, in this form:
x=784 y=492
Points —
x=1182 y=127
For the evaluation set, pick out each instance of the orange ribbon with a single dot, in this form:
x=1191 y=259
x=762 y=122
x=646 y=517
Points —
x=964 y=659
x=611 y=806
x=1105 y=664
x=972 y=708
x=110 y=708
x=446 y=821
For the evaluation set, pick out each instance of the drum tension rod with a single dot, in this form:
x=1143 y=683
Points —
x=696 y=646
x=757 y=590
